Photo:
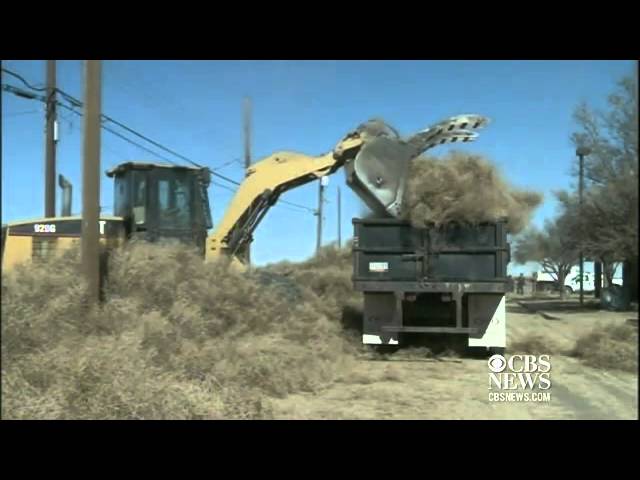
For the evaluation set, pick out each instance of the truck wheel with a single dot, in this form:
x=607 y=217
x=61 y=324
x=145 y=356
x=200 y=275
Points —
x=385 y=349
x=568 y=290
x=484 y=352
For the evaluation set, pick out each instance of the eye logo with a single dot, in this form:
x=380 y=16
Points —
x=497 y=363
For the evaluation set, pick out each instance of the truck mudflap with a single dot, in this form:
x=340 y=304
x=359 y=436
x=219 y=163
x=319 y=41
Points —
x=382 y=310
x=480 y=316
x=488 y=320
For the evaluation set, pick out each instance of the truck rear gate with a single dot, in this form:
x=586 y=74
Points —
x=450 y=279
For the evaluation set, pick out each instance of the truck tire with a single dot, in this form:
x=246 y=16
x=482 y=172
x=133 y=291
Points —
x=484 y=352
x=385 y=349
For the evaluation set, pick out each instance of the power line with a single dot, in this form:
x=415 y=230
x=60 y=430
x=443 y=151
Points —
x=17 y=114
x=230 y=162
x=119 y=135
x=291 y=209
x=77 y=103
x=13 y=74
x=223 y=186
x=311 y=210
x=23 y=93
x=74 y=101
x=29 y=95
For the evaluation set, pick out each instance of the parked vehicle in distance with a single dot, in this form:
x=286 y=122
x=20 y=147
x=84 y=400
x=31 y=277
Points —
x=546 y=282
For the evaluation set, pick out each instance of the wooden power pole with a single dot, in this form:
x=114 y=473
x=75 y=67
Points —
x=322 y=184
x=90 y=250
x=339 y=219
x=246 y=124
x=50 y=143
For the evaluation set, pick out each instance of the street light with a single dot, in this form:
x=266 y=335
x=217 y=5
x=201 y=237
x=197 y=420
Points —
x=581 y=152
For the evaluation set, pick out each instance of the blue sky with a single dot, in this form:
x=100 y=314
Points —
x=195 y=108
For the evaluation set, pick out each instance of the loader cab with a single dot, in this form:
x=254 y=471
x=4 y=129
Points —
x=162 y=201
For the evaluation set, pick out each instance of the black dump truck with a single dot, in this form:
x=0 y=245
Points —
x=447 y=280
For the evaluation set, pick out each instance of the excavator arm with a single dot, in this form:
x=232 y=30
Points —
x=266 y=180
x=376 y=161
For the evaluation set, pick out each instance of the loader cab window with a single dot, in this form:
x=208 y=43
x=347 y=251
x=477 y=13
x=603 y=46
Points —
x=139 y=197
x=130 y=196
x=174 y=201
x=122 y=203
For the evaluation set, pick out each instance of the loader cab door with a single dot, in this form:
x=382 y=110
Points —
x=173 y=201
x=131 y=199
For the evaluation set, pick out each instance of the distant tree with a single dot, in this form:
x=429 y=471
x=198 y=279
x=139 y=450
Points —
x=608 y=222
x=611 y=135
x=605 y=233
x=554 y=248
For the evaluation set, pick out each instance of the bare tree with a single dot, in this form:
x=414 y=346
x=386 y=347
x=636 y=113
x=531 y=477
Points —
x=608 y=224
x=612 y=135
x=554 y=248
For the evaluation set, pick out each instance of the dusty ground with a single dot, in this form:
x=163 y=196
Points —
x=410 y=387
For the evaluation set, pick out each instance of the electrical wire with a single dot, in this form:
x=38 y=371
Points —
x=230 y=162
x=77 y=103
x=13 y=74
x=17 y=114
x=311 y=210
x=181 y=156
x=23 y=93
x=119 y=135
x=223 y=186
x=168 y=160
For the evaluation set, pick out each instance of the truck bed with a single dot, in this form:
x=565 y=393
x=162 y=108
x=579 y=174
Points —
x=389 y=251
x=448 y=279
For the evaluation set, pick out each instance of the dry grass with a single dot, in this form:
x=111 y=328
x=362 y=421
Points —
x=464 y=188
x=175 y=338
x=326 y=275
x=610 y=347
x=534 y=344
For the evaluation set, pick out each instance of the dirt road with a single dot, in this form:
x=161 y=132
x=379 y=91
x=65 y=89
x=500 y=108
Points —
x=409 y=387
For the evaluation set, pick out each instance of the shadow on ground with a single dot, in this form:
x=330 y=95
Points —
x=561 y=306
x=517 y=309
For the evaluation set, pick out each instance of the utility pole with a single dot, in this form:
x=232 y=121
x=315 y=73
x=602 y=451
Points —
x=91 y=178
x=322 y=184
x=581 y=152
x=339 y=220
x=50 y=143
x=246 y=121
